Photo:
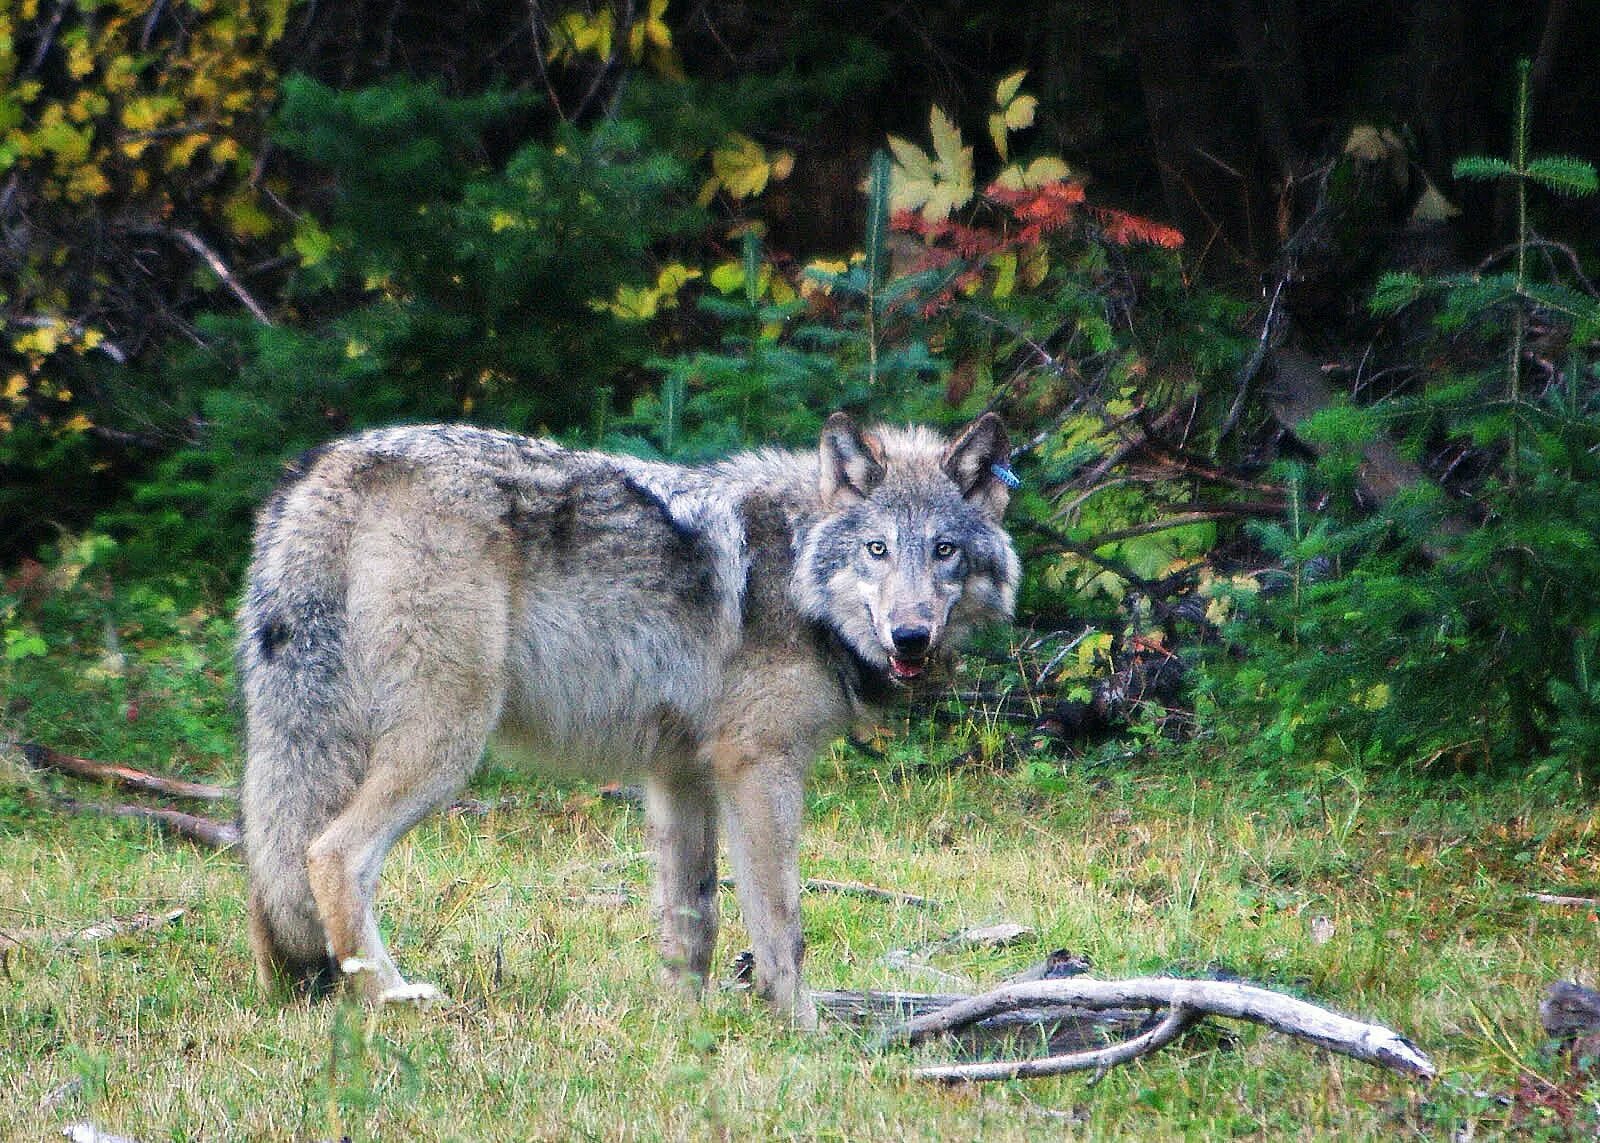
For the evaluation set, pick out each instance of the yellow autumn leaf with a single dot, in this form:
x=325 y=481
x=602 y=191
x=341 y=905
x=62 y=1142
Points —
x=42 y=340
x=16 y=386
x=1093 y=647
x=86 y=183
x=1006 y=90
x=80 y=60
x=77 y=424
x=655 y=25
x=1039 y=173
x=1019 y=113
x=742 y=165
x=577 y=32
x=1005 y=275
x=727 y=277
x=1034 y=266
x=997 y=134
x=675 y=276
x=936 y=185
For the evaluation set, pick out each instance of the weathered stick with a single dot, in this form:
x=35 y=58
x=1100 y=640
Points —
x=1563 y=899
x=1176 y=1022
x=44 y=758
x=1370 y=1042
x=871 y=892
x=1058 y=1028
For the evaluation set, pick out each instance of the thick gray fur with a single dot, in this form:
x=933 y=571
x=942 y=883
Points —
x=415 y=591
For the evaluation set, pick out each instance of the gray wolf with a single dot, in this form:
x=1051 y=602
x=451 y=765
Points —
x=416 y=591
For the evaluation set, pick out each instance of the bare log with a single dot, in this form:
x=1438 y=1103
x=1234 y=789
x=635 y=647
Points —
x=44 y=758
x=1372 y=1043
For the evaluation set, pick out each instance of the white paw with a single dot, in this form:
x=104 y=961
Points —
x=419 y=993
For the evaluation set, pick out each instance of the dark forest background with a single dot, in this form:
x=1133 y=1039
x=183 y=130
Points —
x=1291 y=308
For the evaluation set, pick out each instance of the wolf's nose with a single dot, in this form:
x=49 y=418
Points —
x=912 y=642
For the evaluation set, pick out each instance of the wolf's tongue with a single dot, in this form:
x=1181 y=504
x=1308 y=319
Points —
x=903 y=669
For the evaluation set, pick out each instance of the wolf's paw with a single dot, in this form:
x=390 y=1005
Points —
x=418 y=993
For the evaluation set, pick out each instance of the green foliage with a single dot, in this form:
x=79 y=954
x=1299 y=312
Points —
x=437 y=285
x=1433 y=627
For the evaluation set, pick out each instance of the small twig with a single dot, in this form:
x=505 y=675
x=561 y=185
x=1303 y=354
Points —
x=214 y=260
x=1177 y=1021
x=90 y=934
x=1252 y=365
x=871 y=892
x=856 y=889
x=44 y=758
x=1562 y=899
x=47 y=37
x=1181 y=520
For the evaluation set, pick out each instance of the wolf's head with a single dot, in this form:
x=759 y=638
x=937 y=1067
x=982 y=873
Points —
x=909 y=552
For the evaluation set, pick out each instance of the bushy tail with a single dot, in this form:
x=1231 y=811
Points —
x=304 y=749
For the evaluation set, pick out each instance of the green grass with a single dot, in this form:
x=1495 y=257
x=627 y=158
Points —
x=558 y=1028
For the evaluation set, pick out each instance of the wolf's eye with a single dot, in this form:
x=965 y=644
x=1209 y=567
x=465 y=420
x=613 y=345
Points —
x=944 y=549
x=877 y=549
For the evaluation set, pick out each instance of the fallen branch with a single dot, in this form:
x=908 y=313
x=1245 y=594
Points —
x=44 y=758
x=1372 y=1043
x=1177 y=1021
x=1057 y=1028
x=871 y=892
x=854 y=889
x=191 y=827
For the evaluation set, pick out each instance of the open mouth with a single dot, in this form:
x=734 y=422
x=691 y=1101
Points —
x=905 y=668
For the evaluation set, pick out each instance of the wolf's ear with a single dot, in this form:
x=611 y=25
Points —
x=971 y=460
x=852 y=461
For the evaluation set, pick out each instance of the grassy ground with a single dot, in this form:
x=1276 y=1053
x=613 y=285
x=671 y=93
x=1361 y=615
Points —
x=1381 y=895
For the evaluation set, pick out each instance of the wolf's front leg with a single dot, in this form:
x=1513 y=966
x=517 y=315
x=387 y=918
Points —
x=762 y=801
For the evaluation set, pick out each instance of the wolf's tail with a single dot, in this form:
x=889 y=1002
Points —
x=305 y=750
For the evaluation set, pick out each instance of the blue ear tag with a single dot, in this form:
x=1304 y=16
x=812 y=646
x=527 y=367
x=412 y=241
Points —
x=1004 y=475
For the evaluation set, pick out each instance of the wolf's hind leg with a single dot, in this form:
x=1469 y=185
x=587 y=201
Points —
x=414 y=770
x=683 y=827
